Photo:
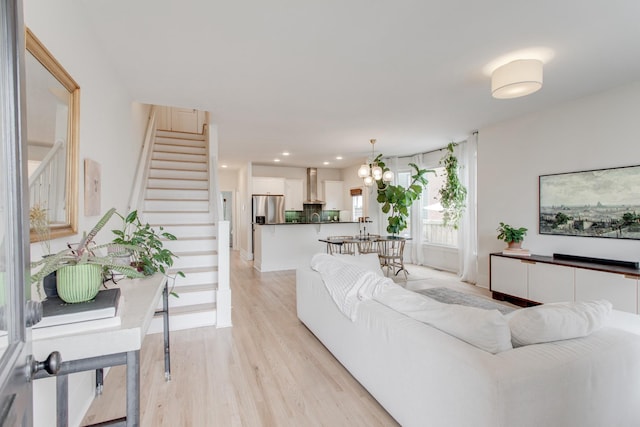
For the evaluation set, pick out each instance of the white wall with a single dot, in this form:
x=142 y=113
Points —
x=111 y=129
x=228 y=179
x=595 y=132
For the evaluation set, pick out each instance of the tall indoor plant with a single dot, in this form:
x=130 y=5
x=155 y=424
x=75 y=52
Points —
x=396 y=199
x=453 y=194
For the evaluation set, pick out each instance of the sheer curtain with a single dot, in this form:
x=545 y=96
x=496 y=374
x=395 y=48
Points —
x=468 y=231
x=417 y=237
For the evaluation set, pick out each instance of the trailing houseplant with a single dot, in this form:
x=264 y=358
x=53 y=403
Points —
x=151 y=256
x=512 y=236
x=453 y=194
x=396 y=199
x=81 y=268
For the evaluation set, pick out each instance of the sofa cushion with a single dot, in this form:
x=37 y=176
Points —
x=484 y=329
x=557 y=321
x=370 y=262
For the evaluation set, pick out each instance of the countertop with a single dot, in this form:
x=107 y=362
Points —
x=315 y=222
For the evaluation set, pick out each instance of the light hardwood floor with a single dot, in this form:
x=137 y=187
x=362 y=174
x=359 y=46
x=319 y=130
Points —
x=266 y=370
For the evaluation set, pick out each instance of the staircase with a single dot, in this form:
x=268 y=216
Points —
x=177 y=199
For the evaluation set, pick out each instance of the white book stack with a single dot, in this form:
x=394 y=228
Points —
x=516 y=252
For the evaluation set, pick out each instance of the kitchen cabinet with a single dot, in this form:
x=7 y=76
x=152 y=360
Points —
x=333 y=195
x=293 y=194
x=268 y=185
x=542 y=279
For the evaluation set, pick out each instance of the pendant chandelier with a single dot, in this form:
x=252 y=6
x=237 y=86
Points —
x=372 y=172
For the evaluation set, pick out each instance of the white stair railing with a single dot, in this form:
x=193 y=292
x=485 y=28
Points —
x=47 y=183
x=142 y=170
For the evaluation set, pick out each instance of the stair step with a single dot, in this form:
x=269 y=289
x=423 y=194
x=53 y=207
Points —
x=183 y=142
x=162 y=147
x=178 y=165
x=186 y=318
x=185 y=231
x=183 y=157
x=191 y=295
x=176 y=205
x=180 y=184
x=196 y=276
x=191 y=244
x=176 y=194
x=178 y=174
x=170 y=218
x=195 y=259
x=179 y=135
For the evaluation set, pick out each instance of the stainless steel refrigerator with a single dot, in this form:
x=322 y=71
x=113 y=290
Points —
x=268 y=209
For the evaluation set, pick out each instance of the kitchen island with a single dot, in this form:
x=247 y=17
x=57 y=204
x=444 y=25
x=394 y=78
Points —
x=290 y=245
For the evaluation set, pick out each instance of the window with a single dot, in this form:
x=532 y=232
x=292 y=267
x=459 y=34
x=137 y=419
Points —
x=433 y=230
x=356 y=203
x=404 y=179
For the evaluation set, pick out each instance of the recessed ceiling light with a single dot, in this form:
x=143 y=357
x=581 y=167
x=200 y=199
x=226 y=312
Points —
x=276 y=160
x=338 y=157
x=223 y=166
x=285 y=153
x=325 y=163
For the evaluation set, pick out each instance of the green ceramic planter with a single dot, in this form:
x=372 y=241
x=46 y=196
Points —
x=79 y=283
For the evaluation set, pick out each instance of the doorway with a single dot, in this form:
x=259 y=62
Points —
x=227 y=212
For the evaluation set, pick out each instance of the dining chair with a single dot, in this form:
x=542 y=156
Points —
x=390 y=252
x=345 y=245
x=369 y=246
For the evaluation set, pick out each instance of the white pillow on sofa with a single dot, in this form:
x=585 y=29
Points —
x=369 y=262
x=557 y=321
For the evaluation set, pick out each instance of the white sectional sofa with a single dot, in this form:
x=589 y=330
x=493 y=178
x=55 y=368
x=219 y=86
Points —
x=425 y=377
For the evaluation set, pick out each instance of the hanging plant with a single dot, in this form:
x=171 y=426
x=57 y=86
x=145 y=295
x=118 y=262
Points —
x=397 y=199
x=453 y=195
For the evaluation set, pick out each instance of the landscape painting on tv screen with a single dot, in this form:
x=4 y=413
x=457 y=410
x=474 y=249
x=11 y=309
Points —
x=597 y=203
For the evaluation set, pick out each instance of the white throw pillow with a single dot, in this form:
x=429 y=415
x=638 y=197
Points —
x=557 y=321
x=369 y=262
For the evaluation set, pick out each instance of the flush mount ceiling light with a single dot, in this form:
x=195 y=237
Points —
x=372 y=172
x=516 y=78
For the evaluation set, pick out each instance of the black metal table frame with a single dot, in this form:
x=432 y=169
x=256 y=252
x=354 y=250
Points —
x=132 y=361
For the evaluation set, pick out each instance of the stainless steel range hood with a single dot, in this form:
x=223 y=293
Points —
x=312 y=188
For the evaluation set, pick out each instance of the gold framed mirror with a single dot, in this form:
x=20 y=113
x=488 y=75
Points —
x=53 y=125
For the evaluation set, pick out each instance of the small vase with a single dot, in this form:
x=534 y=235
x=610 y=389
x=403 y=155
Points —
x=49 y=284
x=79 y=283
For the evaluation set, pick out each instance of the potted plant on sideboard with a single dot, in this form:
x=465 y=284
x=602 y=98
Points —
x=81 y=268
x=512 y=236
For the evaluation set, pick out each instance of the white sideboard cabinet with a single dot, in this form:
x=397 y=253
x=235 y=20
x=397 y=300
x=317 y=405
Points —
x=540 y=279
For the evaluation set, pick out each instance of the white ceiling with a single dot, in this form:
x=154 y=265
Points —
x=320 y=78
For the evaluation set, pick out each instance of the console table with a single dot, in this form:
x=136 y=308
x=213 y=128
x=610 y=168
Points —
x=101 y=348
x=529 y=280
